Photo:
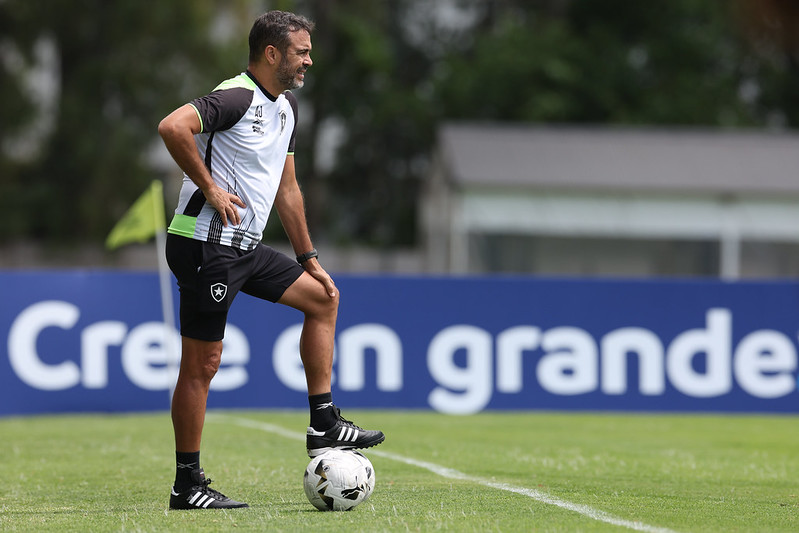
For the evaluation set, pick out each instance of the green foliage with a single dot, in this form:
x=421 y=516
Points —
x=385 y=74
x=121 y=67
x=368 y=78
x=698 y=473
x=606 y=62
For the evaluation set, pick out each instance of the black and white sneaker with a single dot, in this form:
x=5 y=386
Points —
x=343 y=435
x=199 y=496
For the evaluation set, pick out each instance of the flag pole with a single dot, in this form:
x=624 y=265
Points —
x=164 y=277
x=144 y=219
x=168 y=309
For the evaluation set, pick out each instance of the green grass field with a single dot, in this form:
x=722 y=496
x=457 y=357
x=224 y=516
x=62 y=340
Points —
x=488 y=472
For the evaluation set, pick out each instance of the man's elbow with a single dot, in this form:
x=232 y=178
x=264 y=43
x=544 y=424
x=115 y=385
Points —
x=166 y=128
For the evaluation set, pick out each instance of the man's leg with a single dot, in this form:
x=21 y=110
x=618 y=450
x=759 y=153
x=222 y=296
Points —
x=198 y=365
x=327 y=429
x=318 y=330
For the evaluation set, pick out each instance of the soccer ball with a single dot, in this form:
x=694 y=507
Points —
x=338 y=480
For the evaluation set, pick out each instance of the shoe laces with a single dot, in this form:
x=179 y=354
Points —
x=203 y=486
x=345 y=421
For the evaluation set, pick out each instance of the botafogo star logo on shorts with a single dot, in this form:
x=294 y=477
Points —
x=218 y=291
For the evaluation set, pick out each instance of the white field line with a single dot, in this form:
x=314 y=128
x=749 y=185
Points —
x=450 y=473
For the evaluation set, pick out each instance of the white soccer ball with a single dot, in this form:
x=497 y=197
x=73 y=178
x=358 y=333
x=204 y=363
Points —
x=338 y=480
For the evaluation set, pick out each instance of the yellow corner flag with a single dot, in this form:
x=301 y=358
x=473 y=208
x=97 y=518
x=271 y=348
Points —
x=143 y=220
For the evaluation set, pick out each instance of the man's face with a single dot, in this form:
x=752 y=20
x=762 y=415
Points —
x=296 y=60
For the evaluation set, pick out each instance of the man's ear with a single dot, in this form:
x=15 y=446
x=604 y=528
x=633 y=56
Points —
x=272 y=55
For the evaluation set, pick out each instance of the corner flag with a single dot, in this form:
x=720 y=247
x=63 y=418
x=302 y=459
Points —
x=142 y=221
x=145 y=219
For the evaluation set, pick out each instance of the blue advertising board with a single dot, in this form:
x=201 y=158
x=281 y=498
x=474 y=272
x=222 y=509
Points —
x=96 y=341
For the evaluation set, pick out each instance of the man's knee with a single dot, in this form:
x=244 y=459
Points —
x=308 y=295
x=209 y=366
x=201 y=360
x=318 y=304
x=328 y=306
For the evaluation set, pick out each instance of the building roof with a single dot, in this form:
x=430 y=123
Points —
x=616 y=159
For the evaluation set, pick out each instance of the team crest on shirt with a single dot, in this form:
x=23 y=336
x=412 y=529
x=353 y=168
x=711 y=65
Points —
x=282 y=121
x=218 y=291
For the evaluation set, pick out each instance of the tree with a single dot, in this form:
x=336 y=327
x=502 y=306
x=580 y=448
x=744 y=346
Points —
x=772 y=28
x=681 y=62
x=120 y=67
x=367 y=78
x=390 y=71
x=385 y=74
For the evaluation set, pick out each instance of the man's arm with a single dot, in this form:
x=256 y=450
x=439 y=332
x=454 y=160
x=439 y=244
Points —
x=178 y=130
x=291 y=209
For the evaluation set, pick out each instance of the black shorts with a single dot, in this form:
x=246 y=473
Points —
x=210 y=276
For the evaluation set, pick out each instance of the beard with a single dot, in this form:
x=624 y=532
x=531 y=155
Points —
x=288 y=77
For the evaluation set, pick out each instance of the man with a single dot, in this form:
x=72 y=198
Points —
x=236 y=149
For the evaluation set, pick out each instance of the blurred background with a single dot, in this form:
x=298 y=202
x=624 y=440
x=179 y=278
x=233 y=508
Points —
x=567 y=137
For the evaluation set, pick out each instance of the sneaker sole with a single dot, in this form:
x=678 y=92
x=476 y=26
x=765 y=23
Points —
x=313 y=452
x=192 y=508
x=178 y=503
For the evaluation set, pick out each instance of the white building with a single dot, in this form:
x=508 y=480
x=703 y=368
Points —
x=612 y=201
